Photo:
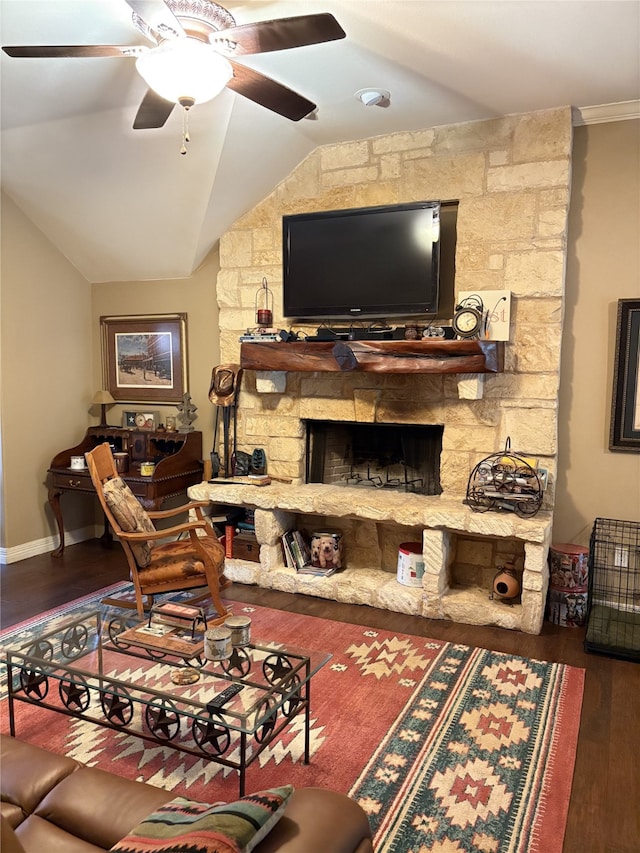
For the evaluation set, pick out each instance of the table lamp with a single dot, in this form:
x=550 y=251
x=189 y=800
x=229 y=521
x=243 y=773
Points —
x=105 y=399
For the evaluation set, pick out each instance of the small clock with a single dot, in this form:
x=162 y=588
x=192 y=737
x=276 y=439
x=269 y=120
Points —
x=141 y=420
x=467 y=322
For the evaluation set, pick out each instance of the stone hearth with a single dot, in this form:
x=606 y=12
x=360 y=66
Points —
x=461 y=549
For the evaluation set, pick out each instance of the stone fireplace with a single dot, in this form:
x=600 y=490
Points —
x=511 y=177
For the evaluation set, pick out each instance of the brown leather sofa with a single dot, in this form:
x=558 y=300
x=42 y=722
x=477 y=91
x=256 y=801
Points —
x=52 y=804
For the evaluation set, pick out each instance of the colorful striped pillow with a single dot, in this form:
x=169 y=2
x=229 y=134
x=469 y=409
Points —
x=184 y=826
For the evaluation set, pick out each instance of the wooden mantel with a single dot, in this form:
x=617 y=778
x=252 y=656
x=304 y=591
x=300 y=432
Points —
x=423 y=356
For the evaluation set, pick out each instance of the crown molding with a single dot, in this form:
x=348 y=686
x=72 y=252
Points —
x=606 y=112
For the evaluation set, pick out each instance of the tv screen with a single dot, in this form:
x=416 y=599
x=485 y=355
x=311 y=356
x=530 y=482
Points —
x=370 y=262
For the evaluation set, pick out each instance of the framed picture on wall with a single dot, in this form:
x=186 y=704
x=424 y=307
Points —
x=625 y=407
x=144 y=357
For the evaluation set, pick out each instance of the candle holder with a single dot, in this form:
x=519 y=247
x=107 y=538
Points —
x=264 y=305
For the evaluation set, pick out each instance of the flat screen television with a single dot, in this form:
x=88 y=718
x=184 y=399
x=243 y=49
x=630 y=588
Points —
x=362 y=263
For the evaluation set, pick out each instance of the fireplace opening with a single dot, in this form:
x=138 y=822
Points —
x=383 y=456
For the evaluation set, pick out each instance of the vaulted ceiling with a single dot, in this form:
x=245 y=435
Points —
x=123 y=204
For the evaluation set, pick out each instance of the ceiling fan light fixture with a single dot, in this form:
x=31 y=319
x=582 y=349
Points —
x=184 y=68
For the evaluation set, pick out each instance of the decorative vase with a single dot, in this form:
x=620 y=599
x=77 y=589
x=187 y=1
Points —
x=505 y=583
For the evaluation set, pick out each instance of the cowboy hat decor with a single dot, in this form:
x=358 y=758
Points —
x=225 y=384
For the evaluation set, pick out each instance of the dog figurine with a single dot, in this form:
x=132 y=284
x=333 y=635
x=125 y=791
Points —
x=326 y=550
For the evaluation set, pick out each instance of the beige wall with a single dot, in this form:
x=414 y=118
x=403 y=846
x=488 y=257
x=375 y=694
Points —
x=49 y=322
x=603 y=266
x=195 y=296
x=51 y=367
x=46 y=375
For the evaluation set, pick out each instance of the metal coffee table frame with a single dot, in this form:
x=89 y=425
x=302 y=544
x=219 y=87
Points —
x=63 y=670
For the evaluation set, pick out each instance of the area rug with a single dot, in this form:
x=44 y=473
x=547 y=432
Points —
x=447 y=748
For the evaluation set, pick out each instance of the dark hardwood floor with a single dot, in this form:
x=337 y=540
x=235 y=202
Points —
x=604 y=814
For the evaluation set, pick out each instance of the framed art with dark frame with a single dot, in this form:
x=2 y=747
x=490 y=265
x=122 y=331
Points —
x=144 y=357
x=625 y=407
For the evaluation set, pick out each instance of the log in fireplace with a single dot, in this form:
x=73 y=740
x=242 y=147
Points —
x=384 y=456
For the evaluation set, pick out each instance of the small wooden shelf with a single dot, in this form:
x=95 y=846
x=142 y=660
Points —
x=425 y=356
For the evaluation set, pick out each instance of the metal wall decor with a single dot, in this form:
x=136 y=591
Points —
x=506 y=481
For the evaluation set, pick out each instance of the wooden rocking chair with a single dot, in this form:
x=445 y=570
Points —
x=157 y=567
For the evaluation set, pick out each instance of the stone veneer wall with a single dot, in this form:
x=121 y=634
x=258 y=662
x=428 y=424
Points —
x=512 y=179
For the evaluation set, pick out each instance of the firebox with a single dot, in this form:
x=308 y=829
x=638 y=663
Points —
x=383 y=456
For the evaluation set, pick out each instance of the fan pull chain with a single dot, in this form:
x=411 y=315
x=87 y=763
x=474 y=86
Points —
x=185 y=130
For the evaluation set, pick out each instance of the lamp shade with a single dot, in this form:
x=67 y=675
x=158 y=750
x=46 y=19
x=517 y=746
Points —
x=102 y=397
x=185 y=69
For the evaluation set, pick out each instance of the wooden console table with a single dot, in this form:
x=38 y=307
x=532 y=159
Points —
x=424 y=356
x=177 y=457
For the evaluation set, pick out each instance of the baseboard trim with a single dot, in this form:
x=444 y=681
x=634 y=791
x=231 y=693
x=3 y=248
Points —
x=48 y=543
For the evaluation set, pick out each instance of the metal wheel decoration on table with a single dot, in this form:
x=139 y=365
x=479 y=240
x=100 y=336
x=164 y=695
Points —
x=117 y=705
x=276 y=667
x=154 y=654
x=505 y=482
x=197 y=662
x=115 y=627
x=265 y=730
x=41 y=649
x=239 y=662
x=291 y=705
x=34 y=682
x=211 y=735
x=74 y=641
x=74 y=693
x=162 y=719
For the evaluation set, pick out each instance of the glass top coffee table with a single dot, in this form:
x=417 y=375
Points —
x=83 y=668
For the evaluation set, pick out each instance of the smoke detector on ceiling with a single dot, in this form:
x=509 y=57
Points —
x=374 y=97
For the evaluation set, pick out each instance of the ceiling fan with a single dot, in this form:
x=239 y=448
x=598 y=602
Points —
x=193 y=57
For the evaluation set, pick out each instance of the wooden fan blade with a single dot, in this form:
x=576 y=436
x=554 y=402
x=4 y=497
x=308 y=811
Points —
x=263 y=90
x=153 y=111
x=158 y=17
x=279 y=34
x=73 y=50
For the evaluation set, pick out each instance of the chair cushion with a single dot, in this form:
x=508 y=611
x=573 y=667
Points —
x=225 y=828
x=130 y=515
x=174 y=559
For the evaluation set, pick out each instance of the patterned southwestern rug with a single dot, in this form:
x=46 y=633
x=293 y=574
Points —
x=447 y=748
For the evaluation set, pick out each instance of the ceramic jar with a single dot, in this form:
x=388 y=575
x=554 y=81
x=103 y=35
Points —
x=217 y=643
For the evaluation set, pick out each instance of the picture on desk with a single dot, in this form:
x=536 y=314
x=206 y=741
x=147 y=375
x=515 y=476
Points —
x=140 y=420
x=144 y=357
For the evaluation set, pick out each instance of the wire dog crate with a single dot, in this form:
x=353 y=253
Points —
x=613 y=620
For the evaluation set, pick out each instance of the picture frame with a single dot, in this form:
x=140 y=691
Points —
x=140 y=420
x=144 y=357
x=624 y=431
